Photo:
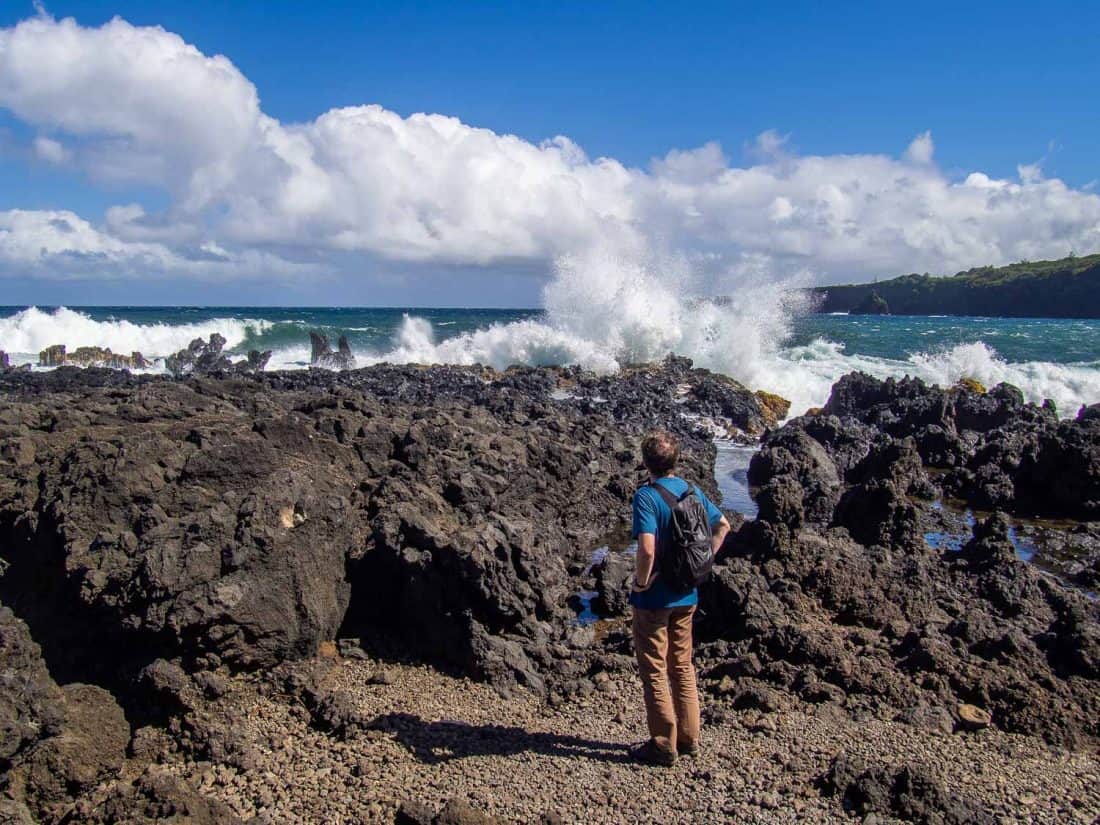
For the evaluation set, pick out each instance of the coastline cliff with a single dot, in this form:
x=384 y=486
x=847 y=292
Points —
x=1066 y=288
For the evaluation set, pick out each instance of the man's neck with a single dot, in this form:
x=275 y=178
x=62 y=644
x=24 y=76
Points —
x=653 y=478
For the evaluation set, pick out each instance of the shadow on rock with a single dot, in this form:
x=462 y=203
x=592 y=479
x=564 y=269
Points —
x=435 y=742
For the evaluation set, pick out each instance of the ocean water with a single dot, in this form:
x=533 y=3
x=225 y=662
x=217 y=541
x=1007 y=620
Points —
x=770 y=343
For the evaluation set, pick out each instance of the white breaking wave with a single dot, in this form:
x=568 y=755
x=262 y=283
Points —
x=806 y=374
x=499 y=345
x=603 y=312
x=30 y=331
x=290 y=358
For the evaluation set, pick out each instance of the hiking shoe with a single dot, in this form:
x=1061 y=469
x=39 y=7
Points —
x=648 y=753
x=688 y=750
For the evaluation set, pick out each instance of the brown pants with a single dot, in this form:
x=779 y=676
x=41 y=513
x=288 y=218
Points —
x=662 y=643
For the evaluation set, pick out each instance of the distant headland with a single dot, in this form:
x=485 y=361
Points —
x=1067 y=288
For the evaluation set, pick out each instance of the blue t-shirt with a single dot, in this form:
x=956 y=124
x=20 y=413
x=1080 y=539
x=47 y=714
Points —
x=653 y=515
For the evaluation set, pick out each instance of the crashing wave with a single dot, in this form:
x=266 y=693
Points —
x=28 y=332
x=601 y=312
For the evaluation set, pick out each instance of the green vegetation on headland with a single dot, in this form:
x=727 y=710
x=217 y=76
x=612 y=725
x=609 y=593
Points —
x=1068 y=288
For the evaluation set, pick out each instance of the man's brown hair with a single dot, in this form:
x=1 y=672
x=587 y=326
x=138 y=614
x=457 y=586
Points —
x=660 y=452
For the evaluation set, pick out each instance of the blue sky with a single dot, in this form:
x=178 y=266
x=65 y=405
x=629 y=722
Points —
x=998 y=85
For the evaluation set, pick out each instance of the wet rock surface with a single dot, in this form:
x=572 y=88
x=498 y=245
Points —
x=322 y=354
x=255 y=568
x=57 y=356
x=207 y=358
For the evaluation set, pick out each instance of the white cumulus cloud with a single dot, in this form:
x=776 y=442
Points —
x=61 y=243
x=921 y=149
x=140 y=104
x=50 y=150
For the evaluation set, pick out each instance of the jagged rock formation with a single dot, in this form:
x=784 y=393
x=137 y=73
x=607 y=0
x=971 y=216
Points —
x=200 y=358
x=910 y=793
x=206 y=358
x=52 y=356
x=321 y=354
x=995 y=450
x=157 y=533
x=57 y=356
x=835 y=593
x=232 y=521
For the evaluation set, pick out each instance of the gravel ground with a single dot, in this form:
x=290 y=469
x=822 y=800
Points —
x=433 y=737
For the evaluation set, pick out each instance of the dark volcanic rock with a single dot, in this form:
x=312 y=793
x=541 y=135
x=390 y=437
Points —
x=909 y=792
x=208 y=530
x=873 y=304
x=227 y=521
x=455 y=812
x=31 y=703
x=55 y=742
x=156 y=534
x=206 y=358
x=846 y=499
x=321 y=354
x=999 y=451
x=154 y=797
x=199 y=357
x=614 y=576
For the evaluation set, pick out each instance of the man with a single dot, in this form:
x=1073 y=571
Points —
x=663 y=618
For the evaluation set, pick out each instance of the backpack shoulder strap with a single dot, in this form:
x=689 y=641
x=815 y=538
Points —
x=669 y=498
x=691 y=489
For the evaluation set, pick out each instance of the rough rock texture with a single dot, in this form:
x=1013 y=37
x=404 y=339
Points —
x=154 y=797
x=55 y=742
x=184 y=542
x=431 y=737
x=57 y=356
x=455 y=812
x=908 y=792
x=996 y=450
x=52 y=356
x=322 y=355
x=228 y=521
x=842 y=591
x=206 y=358
x=30 y=700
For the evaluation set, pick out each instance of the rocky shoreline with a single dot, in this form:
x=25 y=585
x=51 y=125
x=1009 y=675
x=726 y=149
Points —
x=262 y=596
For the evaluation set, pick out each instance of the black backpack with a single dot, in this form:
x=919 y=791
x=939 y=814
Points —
x=684 y=557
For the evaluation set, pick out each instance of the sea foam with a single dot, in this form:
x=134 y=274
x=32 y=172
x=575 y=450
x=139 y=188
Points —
x=28 y=332
x=603 y=312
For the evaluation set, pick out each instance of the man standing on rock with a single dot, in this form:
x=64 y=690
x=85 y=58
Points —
x=662 y=613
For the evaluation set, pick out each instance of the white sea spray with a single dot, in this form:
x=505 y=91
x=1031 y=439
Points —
x=28 y=332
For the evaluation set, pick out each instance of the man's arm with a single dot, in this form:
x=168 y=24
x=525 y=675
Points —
x=644 y=560
x=718 y=535
x=719 y=524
